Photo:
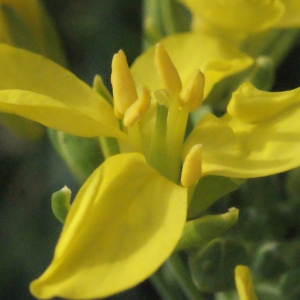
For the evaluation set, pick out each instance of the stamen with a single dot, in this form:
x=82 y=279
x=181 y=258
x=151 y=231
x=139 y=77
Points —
x=138 y=109
x=193 y=94
x=166 y=70
x=192 y=167
x=124 y=90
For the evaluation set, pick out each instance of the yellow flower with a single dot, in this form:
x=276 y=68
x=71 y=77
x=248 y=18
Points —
x=129 y=215
x=243 y=283
x=241 y=18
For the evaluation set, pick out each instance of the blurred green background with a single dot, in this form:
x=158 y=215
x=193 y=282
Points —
x=91 y=31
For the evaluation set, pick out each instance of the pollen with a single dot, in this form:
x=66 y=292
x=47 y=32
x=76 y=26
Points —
x=166 y=70
x=124 y=91
x=192 y=166
x=193 y=94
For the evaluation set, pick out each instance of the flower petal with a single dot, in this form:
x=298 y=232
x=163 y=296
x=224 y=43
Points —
x=291 y=18
x=191 y=51
x=237 y=17
x=246 y=142
x=45 y=85
x=52 y=113
x=124 y=223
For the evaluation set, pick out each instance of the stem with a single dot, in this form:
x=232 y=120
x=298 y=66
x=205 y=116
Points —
x=109 y=146
x=175 y=136
x=158 y=147
x=181 y=274
x=163 y=287
x=134 y=138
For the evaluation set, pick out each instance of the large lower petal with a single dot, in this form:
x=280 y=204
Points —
x=124 y=223
x=259 y=136
x=25 y=71
x=191 y=51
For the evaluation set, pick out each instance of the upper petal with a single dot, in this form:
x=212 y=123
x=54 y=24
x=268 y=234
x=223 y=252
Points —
x=44 y=84
x=247 y=142
x=291 y=17
x=124 y=223
x=237 y=17
x=191 y=51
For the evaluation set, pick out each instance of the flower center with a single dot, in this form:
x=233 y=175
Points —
x=163 y=141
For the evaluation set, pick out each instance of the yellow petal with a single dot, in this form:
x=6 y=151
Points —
x=191 y=51
x=243 y=282
x=241 y=17
x=28 y=80
x=124 y=223
x=244 y=146
x=252 y=105
x=291 y=17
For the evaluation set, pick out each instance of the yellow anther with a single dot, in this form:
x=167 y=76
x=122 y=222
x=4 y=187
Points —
x=243 y=283
x=124 y=91
x=193 y=93
x=163 y=97
x=138 y=109
x=192 y=166
x=166 y=70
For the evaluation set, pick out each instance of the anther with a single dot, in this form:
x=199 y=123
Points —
x=138 y=109
x=192 y=166
x=193 y=93
x=166 y=70
x=124 y=91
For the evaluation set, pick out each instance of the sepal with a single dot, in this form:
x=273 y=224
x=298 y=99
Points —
x=208 y=190
x=198 y=233
x=82 y=155
x=60 y=203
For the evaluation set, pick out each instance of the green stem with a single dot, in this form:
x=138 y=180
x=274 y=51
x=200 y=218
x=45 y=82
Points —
x=182 y=276
x=163 y=287
x=175 y=136
x=158 y=147
x=109 y=146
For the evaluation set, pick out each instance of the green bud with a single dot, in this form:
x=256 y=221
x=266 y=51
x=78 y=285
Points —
x=60 y=203
x=268 y=262
x=82 y=155
x=208 y=190
x=198 y=233
x=212 y=268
